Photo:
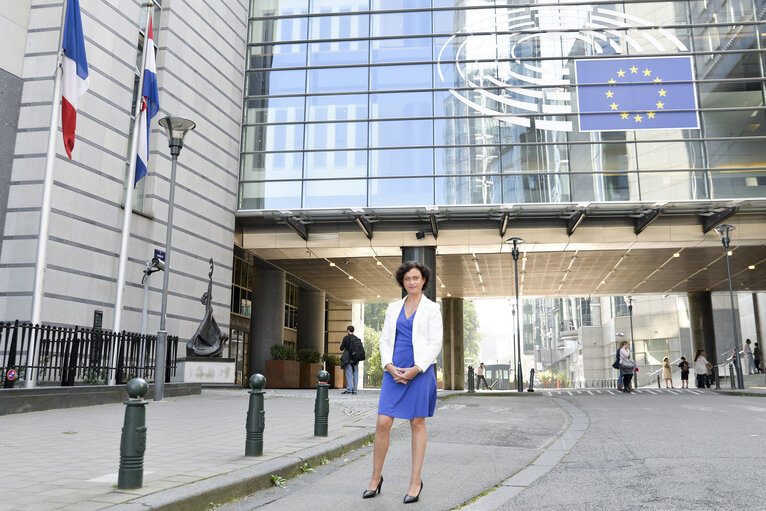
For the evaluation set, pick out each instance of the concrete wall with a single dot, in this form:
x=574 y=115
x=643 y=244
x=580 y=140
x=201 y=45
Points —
x=201 y=51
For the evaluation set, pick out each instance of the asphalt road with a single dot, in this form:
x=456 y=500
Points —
x=660 y=450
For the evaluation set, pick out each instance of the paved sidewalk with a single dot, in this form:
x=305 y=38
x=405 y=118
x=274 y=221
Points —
x=68 y=459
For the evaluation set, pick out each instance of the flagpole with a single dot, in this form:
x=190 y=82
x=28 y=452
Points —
x=45 y=211
x=128 y=210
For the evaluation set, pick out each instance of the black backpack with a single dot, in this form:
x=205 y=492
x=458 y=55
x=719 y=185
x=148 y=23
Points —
x=357 y=350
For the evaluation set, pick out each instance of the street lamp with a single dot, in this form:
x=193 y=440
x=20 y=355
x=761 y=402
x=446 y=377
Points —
x=176 y=128
x=629 y=299
x=724 y=230
x=515 y=253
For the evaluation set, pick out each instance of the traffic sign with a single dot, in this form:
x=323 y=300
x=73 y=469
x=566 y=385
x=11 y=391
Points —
x=159 y=254
x=11 y=374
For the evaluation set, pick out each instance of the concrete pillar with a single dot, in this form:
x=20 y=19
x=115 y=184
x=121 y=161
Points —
x=701 y=325
x=427 y=256
x=311 y=319
x=453 y=347
x=268 y=317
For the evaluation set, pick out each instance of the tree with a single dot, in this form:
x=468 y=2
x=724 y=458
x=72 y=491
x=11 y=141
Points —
x=374 y=315
x=372 y=350
x=472 y=338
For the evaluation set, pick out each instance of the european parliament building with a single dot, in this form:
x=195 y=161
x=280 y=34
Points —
x=336 y=137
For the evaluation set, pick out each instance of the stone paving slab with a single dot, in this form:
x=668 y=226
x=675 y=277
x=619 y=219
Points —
x=72 y=455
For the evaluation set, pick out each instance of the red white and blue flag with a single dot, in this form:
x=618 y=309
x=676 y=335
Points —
x=149 y=106
x=74 y=80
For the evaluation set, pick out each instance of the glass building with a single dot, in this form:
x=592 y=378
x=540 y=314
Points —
x=379 y=103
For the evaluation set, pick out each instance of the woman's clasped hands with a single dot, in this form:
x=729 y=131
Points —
x=402 y=375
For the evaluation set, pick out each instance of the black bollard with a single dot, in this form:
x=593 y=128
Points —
x=133 y=441
x=256 y=417
x=471 y=380
x=531 y=380
x=322 y=404
x=659 y=385
x=717 y=377
x=731 y=377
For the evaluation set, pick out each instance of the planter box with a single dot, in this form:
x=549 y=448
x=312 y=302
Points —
x=308 y=375
x=337 y=376
x=282 y=374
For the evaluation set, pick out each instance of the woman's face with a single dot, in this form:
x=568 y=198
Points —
x=413 y=281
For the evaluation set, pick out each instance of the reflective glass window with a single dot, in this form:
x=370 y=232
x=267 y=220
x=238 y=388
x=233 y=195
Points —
x=328 y=194
x=276 y=30
x=336 y=164
x=401 y=50
x=270 y=195
x=278 y=137
x=381 y=5
x=273 y=110
x=400 y=77
x=345 y=79
x=261 y=83
x=468 y=190
x=670 y=186
x=401 y=133
x=271 y=166
x=467 y=160
x=337 y=108
x=321 y=6
x=338 y=53
x=276 y=55
x=401 y=23
x=401 y=162
x=260 y=8
x=402 y=104
x=341 y=135
x=401 y=192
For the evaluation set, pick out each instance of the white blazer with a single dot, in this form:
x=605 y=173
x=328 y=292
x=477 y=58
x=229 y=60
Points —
x=426 y=333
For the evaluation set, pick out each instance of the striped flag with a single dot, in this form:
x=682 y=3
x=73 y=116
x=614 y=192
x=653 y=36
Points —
x=149 y=106
x=74 y=81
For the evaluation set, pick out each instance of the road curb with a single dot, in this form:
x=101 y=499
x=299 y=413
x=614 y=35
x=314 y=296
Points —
x=239 y=483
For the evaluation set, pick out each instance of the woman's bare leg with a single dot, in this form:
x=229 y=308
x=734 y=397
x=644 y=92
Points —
x=382 y=439
x=419 y=438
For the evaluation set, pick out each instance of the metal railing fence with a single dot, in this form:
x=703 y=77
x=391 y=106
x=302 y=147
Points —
x=70 y=355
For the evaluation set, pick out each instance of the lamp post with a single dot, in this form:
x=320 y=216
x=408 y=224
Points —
x=515 y=253
x=176 y=128
x=629 y=299
x=724 y=230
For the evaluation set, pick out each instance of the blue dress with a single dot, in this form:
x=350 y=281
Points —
x=418 y=397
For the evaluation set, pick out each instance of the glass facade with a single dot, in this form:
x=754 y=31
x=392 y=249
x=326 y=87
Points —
x=370 y=103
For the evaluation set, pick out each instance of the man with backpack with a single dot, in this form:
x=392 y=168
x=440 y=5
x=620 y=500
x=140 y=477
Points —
x=353 y=353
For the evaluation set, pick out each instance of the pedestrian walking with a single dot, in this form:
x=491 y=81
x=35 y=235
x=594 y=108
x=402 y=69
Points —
x=667 y=374
x=410 y=341
x=758 y=357
x=351 y=345
x=700 y=369
x=749 y=357
x=627 y=366
x=480 y=378
x=684 y=367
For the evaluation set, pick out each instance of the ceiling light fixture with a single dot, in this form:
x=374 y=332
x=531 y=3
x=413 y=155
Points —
x=751 y=267
x=332 y=264
x=676 y=254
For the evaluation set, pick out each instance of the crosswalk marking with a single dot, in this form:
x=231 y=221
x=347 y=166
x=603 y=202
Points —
x=593 y=392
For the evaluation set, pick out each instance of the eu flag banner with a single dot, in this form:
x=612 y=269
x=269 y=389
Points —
x=636 y=94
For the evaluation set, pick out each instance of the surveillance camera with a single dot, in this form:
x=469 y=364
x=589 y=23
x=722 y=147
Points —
x=158 y=263
x=420 y=234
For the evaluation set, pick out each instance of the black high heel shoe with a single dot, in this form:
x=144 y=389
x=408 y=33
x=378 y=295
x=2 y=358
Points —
x=409 y=499
x=368 y=494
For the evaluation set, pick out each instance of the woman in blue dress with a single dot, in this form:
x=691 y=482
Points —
x=410 y=341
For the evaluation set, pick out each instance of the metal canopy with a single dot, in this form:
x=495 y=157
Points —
x=622 y=248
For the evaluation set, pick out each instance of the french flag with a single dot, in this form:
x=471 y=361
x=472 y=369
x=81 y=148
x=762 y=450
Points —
x=149 y=106
x=74 y=80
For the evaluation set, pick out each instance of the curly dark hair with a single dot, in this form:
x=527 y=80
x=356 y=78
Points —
x=407 y=266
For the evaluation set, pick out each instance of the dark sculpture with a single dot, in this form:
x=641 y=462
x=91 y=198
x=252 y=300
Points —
x=208 y=340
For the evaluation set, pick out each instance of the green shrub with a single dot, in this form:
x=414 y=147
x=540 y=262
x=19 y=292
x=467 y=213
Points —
x=283 y=352
x=332 y=360
x=309 y=356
